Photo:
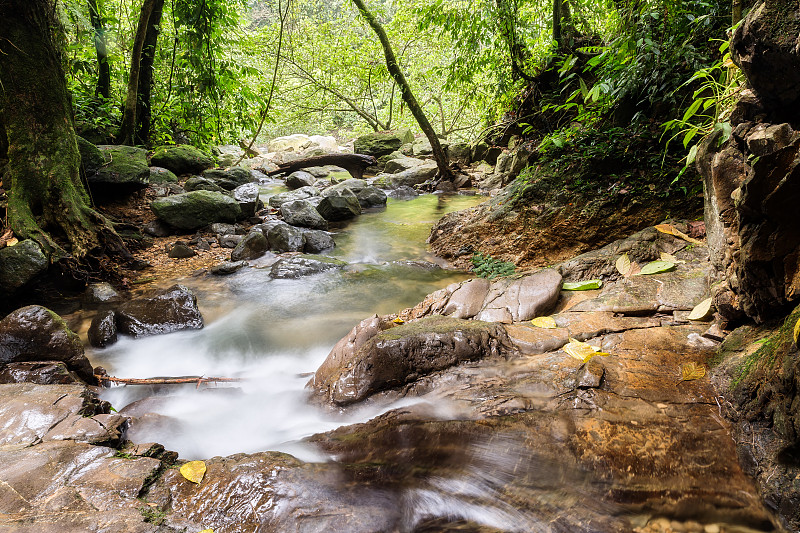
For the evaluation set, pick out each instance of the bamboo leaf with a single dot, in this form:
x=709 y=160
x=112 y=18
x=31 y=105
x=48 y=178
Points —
x=194 y=471
x=587 y=285
x=692 y=371
x=656 y=267
x=701 y=310
x=546 y=322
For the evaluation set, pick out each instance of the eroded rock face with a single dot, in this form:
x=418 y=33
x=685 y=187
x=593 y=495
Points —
x=164 y=311
x=35 y=333
x=396 y=356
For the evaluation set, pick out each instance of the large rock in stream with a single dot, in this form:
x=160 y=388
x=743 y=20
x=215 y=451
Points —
x=193 y=210
x=163 y=311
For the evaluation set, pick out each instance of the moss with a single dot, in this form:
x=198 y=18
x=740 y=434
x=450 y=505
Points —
x=182 y=159
x=434 y=324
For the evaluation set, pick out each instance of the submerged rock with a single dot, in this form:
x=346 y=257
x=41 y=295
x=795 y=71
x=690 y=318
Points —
x=163 y=311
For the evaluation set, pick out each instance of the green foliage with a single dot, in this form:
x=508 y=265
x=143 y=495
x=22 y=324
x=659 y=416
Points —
x=488 y=267
x=153 y=515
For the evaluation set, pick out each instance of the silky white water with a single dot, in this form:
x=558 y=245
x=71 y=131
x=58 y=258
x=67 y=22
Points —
x=272 y=334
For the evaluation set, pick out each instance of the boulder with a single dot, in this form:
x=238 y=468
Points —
x=194 y=210
x=299 y=266
x=91 y=157
x=162 y=175
x=459 y=152
x=413 y=176
x=404 y=192
x=162 y=311
x=180 y=250
x=369 y=360
x=230 y=241
x=382 y=143
x=252 y=246
x=285 y=238
x=290 y=143
x=103 y=330
x=399 y=164
x=317 y=241
x=38 y=372
x=516 y=300
x=300 y=178
x=302 y=193
x=21 y=263
x=303 y=213
x=182 y=159
x=227 y=267
x=354 y=185
x=198 y=183
x=156 y=228
x=125 y=168
x=481 y=151
x=247 y=197
x=229 y=179
x=35 y=333
x=101 y=293
x=221 y=228
x=371 y=197
x=422 y=146
x=339 y=207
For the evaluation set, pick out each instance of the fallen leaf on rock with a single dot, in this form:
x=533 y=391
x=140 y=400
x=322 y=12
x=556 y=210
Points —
x=669 y=258
x=587 y=285
x=12 y=241
x=194 y=471
x=624 y=265
x=701 y=310
x=546 y=322
x=399 y=321
x=692 y=371
x=582 y=351
x=209 y=530
x=796 y=331
x=669 y=229
x=656 y=267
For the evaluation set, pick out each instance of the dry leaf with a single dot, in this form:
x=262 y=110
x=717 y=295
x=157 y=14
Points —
x=546 y=322
x=669 y=229
x=12 y=241
x=701 y=310
x=669 y=258
x=623 y=265
x=194 y=471
x=692 y=371
x=581 y=350
x=399 y=321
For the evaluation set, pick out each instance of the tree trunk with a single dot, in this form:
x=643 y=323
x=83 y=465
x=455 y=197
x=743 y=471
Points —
x=557 y=22
x=103 y=69
x=46 y=196
x=405 y=90
x=143 y=108
x=128 y=129
x=3 y=141
x=736 y=12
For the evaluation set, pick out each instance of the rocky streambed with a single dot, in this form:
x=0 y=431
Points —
x=453 y=414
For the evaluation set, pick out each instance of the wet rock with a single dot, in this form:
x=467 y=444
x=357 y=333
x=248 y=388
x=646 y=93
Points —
x=230 y=241
x=393 y=166
x=220 y=228
x=247 y=196
x=35 y=333
x=103 y=330
x=229 y=179
x=590 y=375
x=101 y=293
x=317 y=241
x=302 y=213
x=156 y=228
x=125 y=169
x=402 y=354
x=339 y=207
x=302 y=193
x=197 y=183
x=298 y=179
x=354 y=185
x=252 y=246
x=408 y=178
x=180 y=250
x=522 y=299
x=162 y=175
x=194 y=210
x=181 y=159
x=285 y=238
x=299 y=266
x=382 y=143
x=227 y=267
x=371 y=197
x=162 y=311
x=38 y=372
x=404 y=192
x=466 y=301
x=20 y=264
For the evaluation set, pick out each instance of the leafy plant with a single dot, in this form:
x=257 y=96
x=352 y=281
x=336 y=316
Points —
x=486 y=266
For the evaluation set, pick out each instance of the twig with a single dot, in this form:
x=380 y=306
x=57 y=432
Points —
x=164 y=381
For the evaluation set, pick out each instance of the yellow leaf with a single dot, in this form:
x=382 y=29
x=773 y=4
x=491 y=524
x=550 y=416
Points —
x=194 y=471
x=701 y=310
x=399 y=321
x=209 y=530
x=546 y=322
x=692 y=371
x=669 y=258
x=12 y=241
x=796 y=331
x=623 y=265
x=582 y=351
x=669 y=229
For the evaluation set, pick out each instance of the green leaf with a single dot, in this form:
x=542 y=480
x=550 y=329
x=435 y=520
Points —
x=587 y=285
x=656 y=267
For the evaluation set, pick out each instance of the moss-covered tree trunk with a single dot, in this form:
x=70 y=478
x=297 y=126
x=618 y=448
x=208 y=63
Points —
x=144 y=114
x=405 y=90
x=47 y=201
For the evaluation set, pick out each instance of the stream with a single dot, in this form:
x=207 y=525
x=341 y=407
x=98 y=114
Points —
x=273 y=333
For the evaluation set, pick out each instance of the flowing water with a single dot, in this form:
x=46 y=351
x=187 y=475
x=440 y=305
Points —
x=272 y=333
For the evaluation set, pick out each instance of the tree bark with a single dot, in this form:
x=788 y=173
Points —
x=144 y=115
x=405 y=90
x=557 y=22
x=46 y=196
x=128 y=129
x=103 y=68
x=736 y=12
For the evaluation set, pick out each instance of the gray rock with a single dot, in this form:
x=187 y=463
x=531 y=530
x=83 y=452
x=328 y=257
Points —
x=303 y=213
x=355 y=185
x=21 y=263
x=229 y=179
x=35 y=333
x=285 y=238
x=230 y=241
x=247 y=196
x=400 y=164
x=371 y=197
x=91 y=156
x=296 y=267
x=317 y=241
x=125 y=169
x=103 y=330
x=227 y=267
x=339 y=207
x=302 y=193
x=198 y=183
x=194 y=210
x=252 y=246
x=156 y=228
x=162 y=311
x=162 y=175
x=404 y=192
x=180 y=250
x=382 y=143
x=220 y=228
x=182 y=159
x=413 y=176
x=521 y=299
x=459 y=152
x=298 y=179
x=101 y=293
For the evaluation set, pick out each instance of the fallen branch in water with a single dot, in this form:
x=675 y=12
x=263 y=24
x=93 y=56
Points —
x=163 y=381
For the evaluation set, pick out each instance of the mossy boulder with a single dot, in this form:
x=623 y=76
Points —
x=162 y=175
x=229 y=179
x=91 y=156
x=20 y=264
x=382 y=143
x=182 y=159
x=196 y=209
x=124 y=167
